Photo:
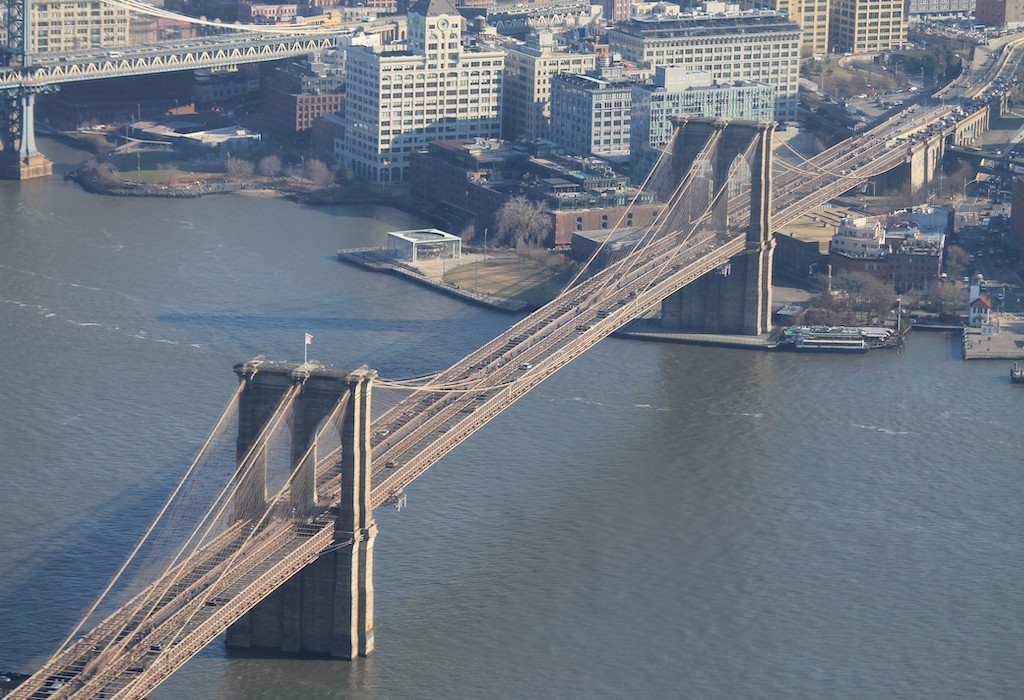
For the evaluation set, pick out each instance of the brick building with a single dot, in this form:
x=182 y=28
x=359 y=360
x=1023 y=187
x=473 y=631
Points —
x=468 y=181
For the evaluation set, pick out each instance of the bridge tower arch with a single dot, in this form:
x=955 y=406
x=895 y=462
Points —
x=327 y=608
x=735 y=298
x=19 y=157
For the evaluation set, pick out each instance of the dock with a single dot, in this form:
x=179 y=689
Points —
x=1002 y=340
x=651 y=329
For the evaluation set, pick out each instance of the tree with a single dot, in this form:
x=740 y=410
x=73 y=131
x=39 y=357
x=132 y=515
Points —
x=97 y=143
x=270 y=166
x=946 y=299
x=317 y=172
x=957 y=261
x=521 y=224
x=865 y=292
x=239 y=168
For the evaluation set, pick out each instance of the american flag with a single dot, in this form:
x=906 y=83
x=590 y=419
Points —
x=309 y=338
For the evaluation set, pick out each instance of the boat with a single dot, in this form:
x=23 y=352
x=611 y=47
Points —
x=822 y=344
x=829 y=339
x=1017 y=373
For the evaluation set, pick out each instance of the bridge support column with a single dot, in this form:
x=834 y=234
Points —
x=260 y=396
x=353 y=610
x=328 y=607
x=735 y=299
x=20 y=159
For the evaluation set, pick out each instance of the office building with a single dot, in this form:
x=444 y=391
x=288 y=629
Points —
x=590 y=113
x=1000 y=13
x=403 y=97
x=297 y=94
x=861 y=26
x=529 y=67
x=932 y=9
x=813 y=18
x=69 y=25
x=748 y=45
x=676 y=91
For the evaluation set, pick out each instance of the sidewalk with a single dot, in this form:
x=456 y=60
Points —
x=1005 y=342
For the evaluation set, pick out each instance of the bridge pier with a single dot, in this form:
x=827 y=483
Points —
x=327 y=608
x=735 y=299
x=19 y=157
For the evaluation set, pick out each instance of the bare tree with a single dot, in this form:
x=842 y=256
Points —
x=957 y=261
x=270 y=166
x=317 y=172
x=865 y=292
x=522 y=224
x=103 y=171
x=240 y=168
x=97 y=143
x=946 y=299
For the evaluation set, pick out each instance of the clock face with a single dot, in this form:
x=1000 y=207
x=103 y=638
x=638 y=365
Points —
x=442 y=23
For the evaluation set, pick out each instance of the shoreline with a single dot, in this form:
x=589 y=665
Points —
x=94 y=183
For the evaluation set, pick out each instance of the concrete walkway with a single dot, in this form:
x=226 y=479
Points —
x=1006 y=342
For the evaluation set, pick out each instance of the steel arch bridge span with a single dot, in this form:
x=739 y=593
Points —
x=150 y=59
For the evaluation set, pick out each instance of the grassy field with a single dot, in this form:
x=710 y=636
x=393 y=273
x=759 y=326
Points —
x=158 y=166
x=509 y=278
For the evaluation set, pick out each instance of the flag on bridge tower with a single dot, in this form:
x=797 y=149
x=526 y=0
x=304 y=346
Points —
x=305 y=348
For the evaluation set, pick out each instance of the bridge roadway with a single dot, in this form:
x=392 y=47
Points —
x=221 y=51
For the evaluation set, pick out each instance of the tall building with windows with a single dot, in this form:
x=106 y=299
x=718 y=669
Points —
x=590 y=113
x=813 y=18
x=69 y=25
x=296 y=94
x=529 y=66
x=676 y=91
x=932 y=9
x=400 y=98
x=759 y=45
x=1000 y=13
x=615 y=10
x=860 y=26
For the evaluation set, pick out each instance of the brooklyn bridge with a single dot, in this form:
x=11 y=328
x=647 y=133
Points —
x=280 y=554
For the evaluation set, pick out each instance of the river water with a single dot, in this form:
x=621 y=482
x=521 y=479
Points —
x=656 y=521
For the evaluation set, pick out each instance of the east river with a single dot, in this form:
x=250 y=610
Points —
x=656 y=521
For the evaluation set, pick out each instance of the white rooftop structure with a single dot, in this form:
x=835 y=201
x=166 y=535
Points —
x=424 y=244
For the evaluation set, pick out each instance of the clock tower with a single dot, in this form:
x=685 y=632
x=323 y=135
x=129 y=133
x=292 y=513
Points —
x=435 y=31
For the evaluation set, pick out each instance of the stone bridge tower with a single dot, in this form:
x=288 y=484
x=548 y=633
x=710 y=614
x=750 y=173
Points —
x=737 y=298
x=327 y=608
